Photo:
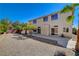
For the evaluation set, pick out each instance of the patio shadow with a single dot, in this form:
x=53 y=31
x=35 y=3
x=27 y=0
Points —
x=53 y=42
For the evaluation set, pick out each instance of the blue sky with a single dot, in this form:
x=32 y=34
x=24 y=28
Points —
x=27 y=11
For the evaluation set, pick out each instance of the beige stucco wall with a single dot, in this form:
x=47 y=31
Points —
x=44 y=26
x=61 y=22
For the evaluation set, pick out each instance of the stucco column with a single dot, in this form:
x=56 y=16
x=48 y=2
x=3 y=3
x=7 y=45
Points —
x=49 y=24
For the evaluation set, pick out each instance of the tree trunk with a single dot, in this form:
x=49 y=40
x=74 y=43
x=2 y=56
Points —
x=77 y=43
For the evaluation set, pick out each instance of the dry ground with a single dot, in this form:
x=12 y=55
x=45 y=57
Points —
x=18 y=45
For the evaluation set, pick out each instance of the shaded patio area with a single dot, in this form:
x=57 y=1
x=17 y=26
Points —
x=54 y=39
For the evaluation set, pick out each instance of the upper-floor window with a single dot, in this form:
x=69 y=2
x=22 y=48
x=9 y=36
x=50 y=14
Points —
x=45 y=19
x=34 y=21
x=54 y=17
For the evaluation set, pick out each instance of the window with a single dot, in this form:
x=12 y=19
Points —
x=34 y=21
x=56 y=26
x=67 y=29
x=56 y=30
x=64 y=29
x=34 y=30
x=45 y=19
x=54 y=17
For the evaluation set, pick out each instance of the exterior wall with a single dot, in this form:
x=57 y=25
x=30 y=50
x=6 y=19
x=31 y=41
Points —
x=60 y=22
x=63 y=24
x=43 y=25
x=74 y=37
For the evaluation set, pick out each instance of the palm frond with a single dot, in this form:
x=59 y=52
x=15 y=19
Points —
x=70 y=19
x=31 y=27
x=66 y=9
x=76 y=4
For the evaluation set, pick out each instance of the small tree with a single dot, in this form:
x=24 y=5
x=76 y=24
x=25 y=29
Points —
x=4 y=25
x=24 y=27
x=31 y=27
x=17 y=26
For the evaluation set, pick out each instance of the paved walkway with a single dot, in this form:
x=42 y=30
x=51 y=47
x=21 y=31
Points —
x=60 y=40
x=72 y=42
x=15 y=44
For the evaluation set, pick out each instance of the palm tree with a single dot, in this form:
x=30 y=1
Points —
x=71 y=8
x=24 y=27
x=4 y=25
x=17 y=26
x=31 y=27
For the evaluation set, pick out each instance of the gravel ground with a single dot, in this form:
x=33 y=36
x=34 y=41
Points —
x=18 y=45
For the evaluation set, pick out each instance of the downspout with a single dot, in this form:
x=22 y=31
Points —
x=49 y=19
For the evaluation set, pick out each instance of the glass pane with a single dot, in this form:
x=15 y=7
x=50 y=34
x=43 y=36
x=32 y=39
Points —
x=34 y=21
x=55 y=16
x=45 y=19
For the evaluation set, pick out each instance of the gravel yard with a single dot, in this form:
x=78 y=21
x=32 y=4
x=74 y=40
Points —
x=18 y=45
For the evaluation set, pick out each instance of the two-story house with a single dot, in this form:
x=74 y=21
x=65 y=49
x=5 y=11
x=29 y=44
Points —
x=53 y=24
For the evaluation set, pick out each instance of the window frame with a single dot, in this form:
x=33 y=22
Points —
x=45 y=19
x=54 y=16
x=34 y=21
x=67 y=29
x=64 y=29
